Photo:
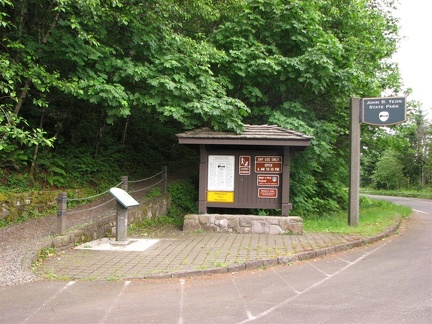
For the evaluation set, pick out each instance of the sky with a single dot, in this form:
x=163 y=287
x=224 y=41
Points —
x=414 y=55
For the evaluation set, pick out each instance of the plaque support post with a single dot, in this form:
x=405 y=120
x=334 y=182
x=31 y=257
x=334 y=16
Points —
x=122 y=222
x=124 y=200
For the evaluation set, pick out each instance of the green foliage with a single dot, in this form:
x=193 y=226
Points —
x=42 y=255
x=154 y=192
x=399 y=157
x=16 y=182
x=114 y=81
x=160 y=221
x=375 y=217
x=16 y=138
x=296 y=64
x=388 y=172
x=33 y=213
x=77 y=167
x=184 y=196
x=425 y=193
x=318 y=175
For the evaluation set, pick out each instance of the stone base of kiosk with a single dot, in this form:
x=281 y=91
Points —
x=243 y=224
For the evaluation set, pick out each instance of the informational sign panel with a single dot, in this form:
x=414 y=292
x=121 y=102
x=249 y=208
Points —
x=267 y=193
x=220 y=196
x=267 y=180
x=268 y=164
x=123 y=197
x=221 y=173
x=244 y=165
x=383 y=111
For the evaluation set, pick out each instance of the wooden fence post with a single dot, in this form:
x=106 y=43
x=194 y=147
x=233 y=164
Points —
x=124 y=183
x=165 y=178
x=61 y=213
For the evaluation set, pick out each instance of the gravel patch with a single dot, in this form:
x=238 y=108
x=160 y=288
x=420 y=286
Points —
x=20 y=243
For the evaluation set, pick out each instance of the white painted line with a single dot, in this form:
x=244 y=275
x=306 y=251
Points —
x=318 y=269
x=70 y=283
x=181 y=302
x=249 y=315
x=419 y=211
x=247 y=311
x=108 y=313
x=346 y=261
x=318 y=283
x=286 y=282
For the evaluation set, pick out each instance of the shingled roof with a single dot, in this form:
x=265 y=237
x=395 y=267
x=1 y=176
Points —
x=270 y=135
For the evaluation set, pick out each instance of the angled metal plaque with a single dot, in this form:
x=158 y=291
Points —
x=123 y=197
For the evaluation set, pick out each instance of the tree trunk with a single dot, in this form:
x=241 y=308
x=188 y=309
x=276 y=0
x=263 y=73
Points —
x=36 y=151
x=22 y=96
x=125 y=131
x=101 y=128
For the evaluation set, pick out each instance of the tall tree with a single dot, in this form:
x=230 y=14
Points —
x=416 y=155
x=67 y=64
x=408 y=144
x=116 y=55
x=296 y=64
x=388 y=172
x=74 y=65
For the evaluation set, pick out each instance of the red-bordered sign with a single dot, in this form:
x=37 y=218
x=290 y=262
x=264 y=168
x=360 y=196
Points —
x=267 y=180
x=267 y=193
x=268 y=164
x=244 y=165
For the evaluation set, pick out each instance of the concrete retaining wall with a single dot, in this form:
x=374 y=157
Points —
x=13 y=205
x=242 y=224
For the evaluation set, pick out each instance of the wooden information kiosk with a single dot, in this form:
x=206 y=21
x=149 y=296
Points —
x=247 y=170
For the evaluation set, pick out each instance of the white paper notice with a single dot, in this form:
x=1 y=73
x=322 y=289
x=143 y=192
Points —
x=221 y=173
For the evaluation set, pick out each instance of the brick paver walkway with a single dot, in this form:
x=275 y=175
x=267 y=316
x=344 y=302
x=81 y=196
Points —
x=194 y=255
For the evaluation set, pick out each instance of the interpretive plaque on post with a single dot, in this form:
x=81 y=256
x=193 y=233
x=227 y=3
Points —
x=124 y=201
x=123 y=197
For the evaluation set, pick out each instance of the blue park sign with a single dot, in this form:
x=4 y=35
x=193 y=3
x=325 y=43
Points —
x=383 y=111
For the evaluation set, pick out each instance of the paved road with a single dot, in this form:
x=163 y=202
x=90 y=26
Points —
x=387 y=282
x=419 y=205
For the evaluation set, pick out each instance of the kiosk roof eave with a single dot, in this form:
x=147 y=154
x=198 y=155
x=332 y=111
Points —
x=226 y=141
x=253 y=135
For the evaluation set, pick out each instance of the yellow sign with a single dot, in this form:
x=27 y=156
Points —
x=220 y=196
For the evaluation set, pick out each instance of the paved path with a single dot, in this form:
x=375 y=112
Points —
x=370 y=284
x=200 y=254
x=385 y=282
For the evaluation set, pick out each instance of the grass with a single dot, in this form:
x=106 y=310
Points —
x=43 y=254
x=425 y=193
x=375 y=217
x=155 y=226
x=159 y=221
